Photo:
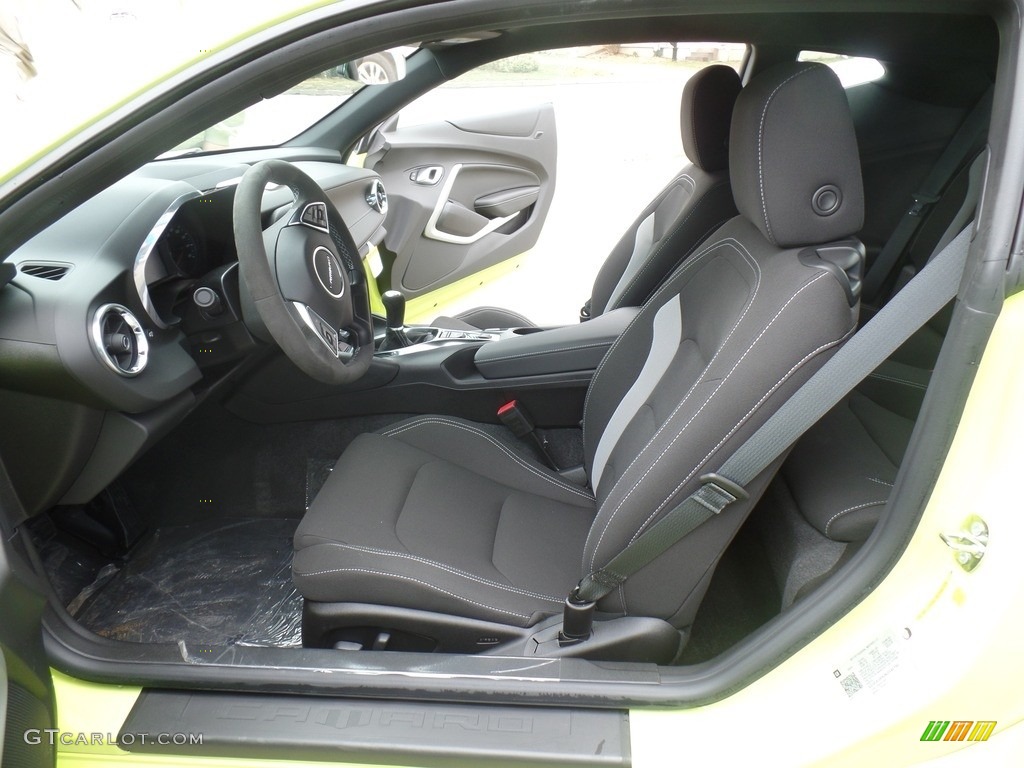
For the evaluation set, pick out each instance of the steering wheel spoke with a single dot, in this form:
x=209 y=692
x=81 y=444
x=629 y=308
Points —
x=303 y=276
x=337 y=340
x=313 y=215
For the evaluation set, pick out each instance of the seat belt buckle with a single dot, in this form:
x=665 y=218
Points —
x=515 y=416
x=921 y=203
x=585 y=312
x=577 y=619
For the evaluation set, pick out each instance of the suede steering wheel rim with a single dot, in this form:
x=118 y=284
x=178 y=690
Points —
x=304 y=275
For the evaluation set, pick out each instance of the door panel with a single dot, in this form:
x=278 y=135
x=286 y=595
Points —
x=26 y=690
x=466 y=196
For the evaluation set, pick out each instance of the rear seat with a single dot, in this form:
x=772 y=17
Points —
x=839 y=476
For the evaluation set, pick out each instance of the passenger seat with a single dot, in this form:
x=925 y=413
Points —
x=840 y=474
x=691 y=207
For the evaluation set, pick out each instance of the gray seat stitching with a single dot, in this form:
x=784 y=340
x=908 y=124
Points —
x=760 y=147
x=718 y=388
x=704 y=236
x=852 y=509
x=757 y=271
x=444 y=567
x=663 y=243
x=417 y=581
x=895 y=380
x=650 y=210
x=737 y=425
x=657 y=295
x=435 y=420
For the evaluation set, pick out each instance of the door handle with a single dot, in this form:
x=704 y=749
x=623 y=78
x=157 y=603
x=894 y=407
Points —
x=433 y=232
x=427 y=176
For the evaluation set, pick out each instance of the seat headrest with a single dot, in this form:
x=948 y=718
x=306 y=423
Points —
x=705 y=113
x=793 y=159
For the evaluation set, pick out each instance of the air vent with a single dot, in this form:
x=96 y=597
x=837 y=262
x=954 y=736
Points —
x=119 y=340
x=46 y=270
x=377 y=198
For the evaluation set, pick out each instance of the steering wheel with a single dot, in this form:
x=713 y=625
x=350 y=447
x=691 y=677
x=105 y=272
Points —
x=304 y=276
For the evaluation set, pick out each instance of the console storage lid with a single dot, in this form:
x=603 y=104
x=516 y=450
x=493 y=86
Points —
x=556 y=350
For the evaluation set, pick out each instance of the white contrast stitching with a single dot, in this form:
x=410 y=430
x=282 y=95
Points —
x=465 y=428
x=894 y=380
x=852 y=509
x=417 y=581
x=444 y=567
x=704 y=236
x=710 y=397
x=760 y=147
x=879 y=481
x=657 y=295
x=693 y=387
x=693 y=121
x=665 y=240
x=738 y=424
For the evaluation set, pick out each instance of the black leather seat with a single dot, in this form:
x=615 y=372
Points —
x=694 y=204
x=434 y=529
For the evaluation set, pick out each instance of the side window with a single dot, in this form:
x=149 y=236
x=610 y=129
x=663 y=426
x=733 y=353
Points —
x=852 y=70
x=618 y=143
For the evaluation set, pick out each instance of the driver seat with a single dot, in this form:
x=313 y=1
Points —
x=433 y=535
x=695 y=203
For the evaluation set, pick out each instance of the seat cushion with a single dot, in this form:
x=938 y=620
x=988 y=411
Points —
x=842 y=470
x=433 y=514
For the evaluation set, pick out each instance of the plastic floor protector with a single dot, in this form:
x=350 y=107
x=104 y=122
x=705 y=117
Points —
x=219 y=582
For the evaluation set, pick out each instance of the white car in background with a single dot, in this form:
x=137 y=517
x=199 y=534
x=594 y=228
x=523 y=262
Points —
x=377 y=68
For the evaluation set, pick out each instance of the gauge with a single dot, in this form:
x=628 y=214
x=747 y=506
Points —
x=185 y=250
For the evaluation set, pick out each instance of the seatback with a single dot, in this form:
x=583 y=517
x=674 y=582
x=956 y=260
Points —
x=731 y=334
x=694 y=204
x=841 y=471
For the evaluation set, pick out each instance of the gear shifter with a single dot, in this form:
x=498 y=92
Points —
x=395 y=337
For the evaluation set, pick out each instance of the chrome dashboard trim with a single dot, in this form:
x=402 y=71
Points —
x=146 y=250
x=141 y=343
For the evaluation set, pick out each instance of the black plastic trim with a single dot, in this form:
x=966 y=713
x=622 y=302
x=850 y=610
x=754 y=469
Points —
x=300 y=728
x=323 y=624
x=443 y=380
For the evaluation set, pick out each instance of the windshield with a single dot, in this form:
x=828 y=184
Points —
x=273 y=121
x=65 y=62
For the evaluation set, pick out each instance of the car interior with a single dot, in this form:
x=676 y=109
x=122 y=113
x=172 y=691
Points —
x=227 y=465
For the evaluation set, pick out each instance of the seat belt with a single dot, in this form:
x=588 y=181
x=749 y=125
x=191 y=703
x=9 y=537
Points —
x=965 y=142
x=910 y=309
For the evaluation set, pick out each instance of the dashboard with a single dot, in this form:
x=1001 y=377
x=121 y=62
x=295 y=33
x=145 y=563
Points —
x=122 y=313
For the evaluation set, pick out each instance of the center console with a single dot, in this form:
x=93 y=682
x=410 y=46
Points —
x=458 y=372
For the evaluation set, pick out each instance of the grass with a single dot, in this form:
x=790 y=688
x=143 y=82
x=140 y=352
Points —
x=326 y=85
